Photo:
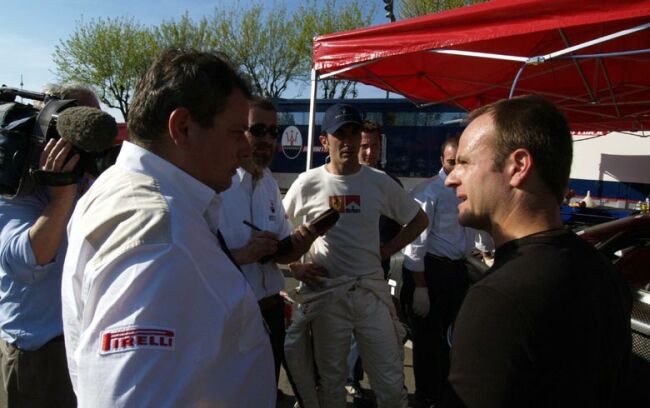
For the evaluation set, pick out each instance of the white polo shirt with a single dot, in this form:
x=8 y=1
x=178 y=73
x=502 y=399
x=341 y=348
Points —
x=154 y=312
x=258 y=202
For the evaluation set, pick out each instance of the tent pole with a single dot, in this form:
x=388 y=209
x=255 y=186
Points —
x=576 y=63
x=514 y=83
x=596 y=41
x=312 y=118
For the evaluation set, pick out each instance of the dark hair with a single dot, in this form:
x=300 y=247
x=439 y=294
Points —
x=450 y=141
x=369 y=126
x=259 y=102
x=199 y=81
x=535 y=124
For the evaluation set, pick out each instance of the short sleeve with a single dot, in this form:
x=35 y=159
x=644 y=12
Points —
x=292 y=201
x=400 y=206
x=17 y=258
x=415 y=252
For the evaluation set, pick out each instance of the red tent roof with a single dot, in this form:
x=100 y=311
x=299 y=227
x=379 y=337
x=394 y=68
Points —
x=602 y=86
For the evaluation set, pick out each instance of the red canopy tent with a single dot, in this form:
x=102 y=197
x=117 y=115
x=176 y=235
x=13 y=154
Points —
x=590 y=57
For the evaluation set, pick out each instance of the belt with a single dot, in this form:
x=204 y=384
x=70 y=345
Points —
x=269 y=301
x=442 y=258
x=57 y=339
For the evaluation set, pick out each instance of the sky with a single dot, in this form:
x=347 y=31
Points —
x=30 y=30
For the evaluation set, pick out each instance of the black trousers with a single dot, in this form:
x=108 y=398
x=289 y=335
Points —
x=36 y=378
x=447 y=284
x=273 y=314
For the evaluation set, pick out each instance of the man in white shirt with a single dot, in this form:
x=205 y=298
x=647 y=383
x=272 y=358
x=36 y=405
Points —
x=155 y=313
x=254 y=199
x=355 y=298
x=435 y=278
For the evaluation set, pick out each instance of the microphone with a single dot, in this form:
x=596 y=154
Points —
x=88 y=129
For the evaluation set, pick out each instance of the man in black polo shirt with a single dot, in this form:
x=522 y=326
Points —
x=549 y=323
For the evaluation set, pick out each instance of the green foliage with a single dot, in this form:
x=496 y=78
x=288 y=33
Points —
x=415 y=8
x=261 y=44
x=184 y=33
x=272 y=47
x=318 y=18
x=108 y=54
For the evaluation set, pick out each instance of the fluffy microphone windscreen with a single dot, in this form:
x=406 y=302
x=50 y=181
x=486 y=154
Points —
x=88 y=129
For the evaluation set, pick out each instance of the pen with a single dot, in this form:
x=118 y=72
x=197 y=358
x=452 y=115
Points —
x=253 y=226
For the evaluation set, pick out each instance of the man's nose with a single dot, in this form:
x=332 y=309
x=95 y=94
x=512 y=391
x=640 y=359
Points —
x=452 y=179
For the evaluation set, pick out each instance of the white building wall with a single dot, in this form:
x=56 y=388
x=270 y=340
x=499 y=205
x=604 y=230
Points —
x=612 y=157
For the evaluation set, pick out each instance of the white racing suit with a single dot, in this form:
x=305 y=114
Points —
x=342 y=306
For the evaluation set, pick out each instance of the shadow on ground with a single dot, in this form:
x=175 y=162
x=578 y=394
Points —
x=288 y=401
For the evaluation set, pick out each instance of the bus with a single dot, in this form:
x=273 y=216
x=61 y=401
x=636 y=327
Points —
x=411 y=136
x=613 y=168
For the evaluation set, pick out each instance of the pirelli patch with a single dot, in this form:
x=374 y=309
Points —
x=130 y=338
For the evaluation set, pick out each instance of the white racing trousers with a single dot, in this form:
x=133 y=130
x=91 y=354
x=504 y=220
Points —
x=363 y=307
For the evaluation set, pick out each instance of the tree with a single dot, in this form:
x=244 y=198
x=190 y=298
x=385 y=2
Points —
x=108 y=54
x=184 y=33
x=415 y=8
x=272 y=48
x=329 y=18
x=260 y=44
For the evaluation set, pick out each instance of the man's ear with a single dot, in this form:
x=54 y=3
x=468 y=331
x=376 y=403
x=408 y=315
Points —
x=179 y=124
x=520 y=166
x=324 y=142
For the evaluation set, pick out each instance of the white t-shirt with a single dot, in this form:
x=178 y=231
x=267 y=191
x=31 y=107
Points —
x=351 y=247
x=260 y=203
x=154 y=313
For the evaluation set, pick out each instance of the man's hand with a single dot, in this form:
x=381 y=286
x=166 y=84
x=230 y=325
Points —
x=309 y=273
x=302 y=238
x=48 y=230
x=421 y=301
x=260 y=244
x=53 y=158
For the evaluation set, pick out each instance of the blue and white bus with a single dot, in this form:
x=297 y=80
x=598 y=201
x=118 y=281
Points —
x=613 y=167
x=411 y=136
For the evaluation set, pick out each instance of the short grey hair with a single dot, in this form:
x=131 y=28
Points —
x=70 y=90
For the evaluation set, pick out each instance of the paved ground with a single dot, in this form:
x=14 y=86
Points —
x=288 y=401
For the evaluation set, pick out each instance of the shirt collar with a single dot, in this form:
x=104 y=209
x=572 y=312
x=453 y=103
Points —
x=243 y=174
x=169 y=177
x=442 y=174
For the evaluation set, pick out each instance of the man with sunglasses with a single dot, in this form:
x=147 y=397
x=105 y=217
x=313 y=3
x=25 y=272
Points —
x=254 y=198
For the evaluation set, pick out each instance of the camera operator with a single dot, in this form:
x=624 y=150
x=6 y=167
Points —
x=32 y=248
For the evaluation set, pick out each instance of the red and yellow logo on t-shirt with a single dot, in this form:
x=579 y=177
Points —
x=346 y=203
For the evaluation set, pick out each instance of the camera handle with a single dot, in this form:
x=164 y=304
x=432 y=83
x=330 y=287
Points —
x=55 y=178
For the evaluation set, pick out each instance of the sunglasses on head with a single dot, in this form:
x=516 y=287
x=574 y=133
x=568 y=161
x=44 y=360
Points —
x=260 y=129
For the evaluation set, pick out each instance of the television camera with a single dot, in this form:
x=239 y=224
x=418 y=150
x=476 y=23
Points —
x=24 y=131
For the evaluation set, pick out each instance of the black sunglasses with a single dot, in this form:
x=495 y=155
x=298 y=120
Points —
x=260 y=129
